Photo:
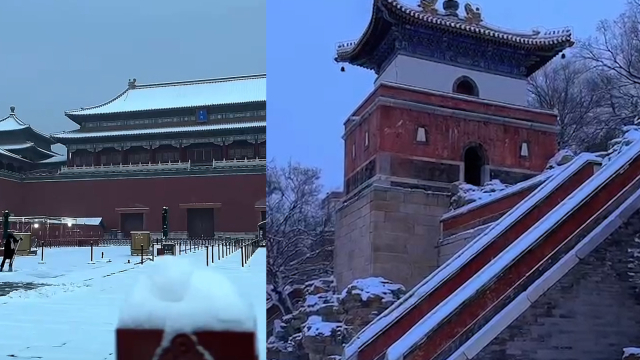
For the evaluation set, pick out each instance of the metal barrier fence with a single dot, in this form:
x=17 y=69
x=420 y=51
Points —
x=223 y=246
x=182 y=242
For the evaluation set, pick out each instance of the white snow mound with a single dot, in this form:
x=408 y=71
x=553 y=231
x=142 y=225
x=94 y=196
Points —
x=177 y=296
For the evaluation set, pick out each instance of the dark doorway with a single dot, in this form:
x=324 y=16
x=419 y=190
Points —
x=466 y=86
x=200 y=223
x=131 y=222
x=473 y=166
x=263 y=216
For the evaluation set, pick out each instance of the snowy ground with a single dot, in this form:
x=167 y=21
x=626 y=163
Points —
x=73 y=314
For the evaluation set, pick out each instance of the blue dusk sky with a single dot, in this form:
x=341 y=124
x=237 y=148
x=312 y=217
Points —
x=66 y=54
x=309 y=98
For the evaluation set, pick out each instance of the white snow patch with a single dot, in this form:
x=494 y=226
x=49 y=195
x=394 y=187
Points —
x=617 y=146
x=476 y=193
x=45 y=292
x=373 y=287
x=630 y=351
x=316 y=327
x=315 y=302
x=555 y=161
x=175 y=295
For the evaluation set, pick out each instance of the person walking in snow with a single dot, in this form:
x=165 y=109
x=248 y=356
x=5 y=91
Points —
x=10 y=244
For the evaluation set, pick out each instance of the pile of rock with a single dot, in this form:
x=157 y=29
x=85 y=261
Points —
x=325 y=321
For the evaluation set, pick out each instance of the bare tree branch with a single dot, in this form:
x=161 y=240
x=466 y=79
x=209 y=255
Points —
x=300 y=247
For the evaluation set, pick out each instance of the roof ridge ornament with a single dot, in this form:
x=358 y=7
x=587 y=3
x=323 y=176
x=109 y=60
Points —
x=451 y=7
x=132 y=84
x=429 y=6
x=12 y=109
x=474 y=15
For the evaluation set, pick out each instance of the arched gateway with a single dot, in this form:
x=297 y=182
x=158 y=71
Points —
x=474 y=164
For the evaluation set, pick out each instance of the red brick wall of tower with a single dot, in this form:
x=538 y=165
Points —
x=237 y=194
x=393 y=129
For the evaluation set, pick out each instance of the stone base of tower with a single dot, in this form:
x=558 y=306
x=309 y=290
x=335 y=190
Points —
x=388 y=231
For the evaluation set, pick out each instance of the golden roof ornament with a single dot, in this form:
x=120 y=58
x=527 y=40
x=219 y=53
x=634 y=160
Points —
x=429 y=6
x=132 y=83
x=474 y=15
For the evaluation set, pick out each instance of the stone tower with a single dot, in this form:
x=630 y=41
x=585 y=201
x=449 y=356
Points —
x=448 y=104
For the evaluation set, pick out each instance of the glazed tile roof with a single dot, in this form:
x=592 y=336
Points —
x=10 y=154
x=12 y=123
x=27 y=145
x=151 y=131
x=55 y=159
x=533 y=39
x=183 y=94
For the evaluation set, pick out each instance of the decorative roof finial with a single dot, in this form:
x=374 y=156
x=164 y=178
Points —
x=474 y=15
x=429 y=6
x=132 y=83
x=451 y=7
x=13 y=110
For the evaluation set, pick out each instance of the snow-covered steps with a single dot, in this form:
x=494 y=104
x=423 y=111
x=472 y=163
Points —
x=527 y=267
x=389 y=327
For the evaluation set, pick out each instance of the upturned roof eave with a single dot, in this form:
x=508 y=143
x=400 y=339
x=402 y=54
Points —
x=33 y=131
x=383 y=9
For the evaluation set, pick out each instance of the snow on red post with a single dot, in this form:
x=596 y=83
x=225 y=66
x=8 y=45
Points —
x=180 y=310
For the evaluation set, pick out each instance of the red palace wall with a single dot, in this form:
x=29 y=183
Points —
x=237 y=194
x=393 y=129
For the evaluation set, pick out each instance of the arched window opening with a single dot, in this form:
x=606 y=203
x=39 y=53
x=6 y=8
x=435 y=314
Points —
x=473 y=166
x=466 y=86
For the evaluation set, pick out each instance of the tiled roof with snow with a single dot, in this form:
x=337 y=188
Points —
x=12 y=123
x=10 y=154
x=183 y=94
x=151 y=131
x=437 y=19
x=55 y=159
x=27 y=145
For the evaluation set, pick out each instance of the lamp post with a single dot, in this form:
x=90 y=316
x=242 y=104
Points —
x=165 y=223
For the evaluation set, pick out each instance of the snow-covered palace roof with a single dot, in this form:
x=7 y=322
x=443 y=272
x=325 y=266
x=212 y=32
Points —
x=182 y=94
x=156 y=131
x=13 y=123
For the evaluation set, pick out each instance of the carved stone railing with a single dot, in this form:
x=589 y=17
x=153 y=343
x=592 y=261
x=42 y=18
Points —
x=163 y=166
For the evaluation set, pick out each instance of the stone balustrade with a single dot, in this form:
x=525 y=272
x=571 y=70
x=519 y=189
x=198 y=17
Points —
x=163 y=166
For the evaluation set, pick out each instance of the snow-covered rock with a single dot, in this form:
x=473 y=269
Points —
x=630 y=134
x=325 y=321
x=631 y=353
x=562 y=157
x=465 y=194
x=365 y=299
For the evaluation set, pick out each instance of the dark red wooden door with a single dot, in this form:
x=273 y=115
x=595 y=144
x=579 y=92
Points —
x=131 y=222
x=200 y=223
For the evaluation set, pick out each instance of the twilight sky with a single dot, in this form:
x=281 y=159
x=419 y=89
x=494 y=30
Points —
x=309 y=98
x=65 y=54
